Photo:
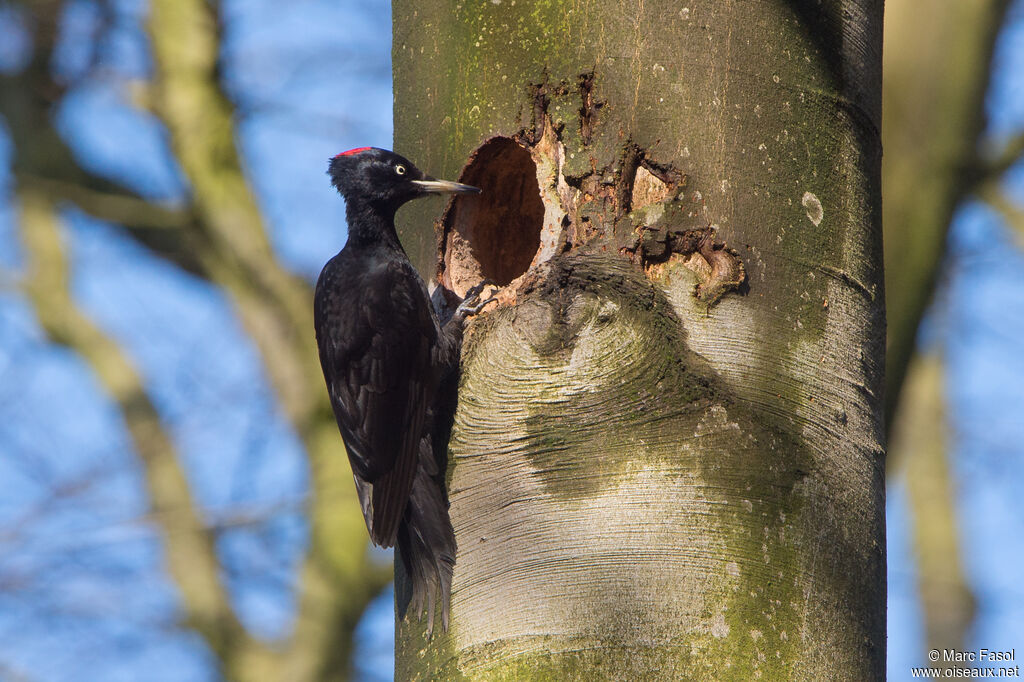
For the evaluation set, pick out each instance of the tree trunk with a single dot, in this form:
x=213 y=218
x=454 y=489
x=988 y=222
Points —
x=667 y=454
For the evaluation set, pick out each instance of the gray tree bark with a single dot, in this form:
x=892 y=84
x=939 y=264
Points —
x=667 y=458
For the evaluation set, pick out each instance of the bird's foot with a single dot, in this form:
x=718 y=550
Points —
x=472 y=303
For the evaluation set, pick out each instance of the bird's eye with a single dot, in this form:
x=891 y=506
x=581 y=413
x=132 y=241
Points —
x=400 y=169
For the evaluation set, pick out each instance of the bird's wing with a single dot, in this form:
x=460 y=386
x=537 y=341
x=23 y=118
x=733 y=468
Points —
x=375 y=348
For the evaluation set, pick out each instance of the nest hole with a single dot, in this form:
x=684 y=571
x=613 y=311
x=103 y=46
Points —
x=496 y=234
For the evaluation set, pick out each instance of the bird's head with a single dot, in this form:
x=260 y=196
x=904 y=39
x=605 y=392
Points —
x=385 y=179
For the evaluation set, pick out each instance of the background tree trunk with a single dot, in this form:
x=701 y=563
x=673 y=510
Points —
x=644 y=481
x=934 y=126
x=934 y=160
x=920 y=436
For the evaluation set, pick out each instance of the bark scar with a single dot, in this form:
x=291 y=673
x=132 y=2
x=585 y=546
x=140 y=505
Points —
x=540 y=95
x=718 y=267
x=612 y=199
x=588 y=111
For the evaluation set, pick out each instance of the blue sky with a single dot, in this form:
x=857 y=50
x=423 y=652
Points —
x=312 y=78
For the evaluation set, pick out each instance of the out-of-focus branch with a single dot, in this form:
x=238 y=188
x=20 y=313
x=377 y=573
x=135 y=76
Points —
x=12 y=674
x=190 y=554
x=45 y=173
x=43 y=161
x=994 y=195
x=160 y=228
x=937 y=68
x=986 y=183
x=273 y=304
x=920 y=439
x=338 y=579
x=989 y=168
x=220 y=236
x=120 y=208
x=938 y=62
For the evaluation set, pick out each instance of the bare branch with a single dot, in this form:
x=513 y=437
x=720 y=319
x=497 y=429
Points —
x=219 y=235
x=920 y=439
x=160 y=228
x=45 y=162
x=13 y=674
x=190 y=554
x=121 y=208
x=1012 y=213
x=272 y=303
x=988 y=167
x=275 y=307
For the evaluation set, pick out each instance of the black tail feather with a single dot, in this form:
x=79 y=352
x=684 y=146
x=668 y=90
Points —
x=426 y=541
x=426 y=545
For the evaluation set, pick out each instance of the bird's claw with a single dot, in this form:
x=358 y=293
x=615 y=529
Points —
x=472 y=304
x=467 y=308
x=478 y=288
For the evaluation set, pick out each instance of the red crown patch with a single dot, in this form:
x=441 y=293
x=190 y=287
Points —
x=353 y=151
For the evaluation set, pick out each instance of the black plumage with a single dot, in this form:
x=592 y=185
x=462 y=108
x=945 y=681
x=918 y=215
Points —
x=385 y=357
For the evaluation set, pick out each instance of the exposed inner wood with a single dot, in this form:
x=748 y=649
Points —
x=494 y=235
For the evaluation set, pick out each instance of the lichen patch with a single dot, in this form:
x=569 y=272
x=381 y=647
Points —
x=813 y=206
x=719 y=628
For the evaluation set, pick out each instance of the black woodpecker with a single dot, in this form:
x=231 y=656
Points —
x=385 y=355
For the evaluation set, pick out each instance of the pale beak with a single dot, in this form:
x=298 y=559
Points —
x=444 y=186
